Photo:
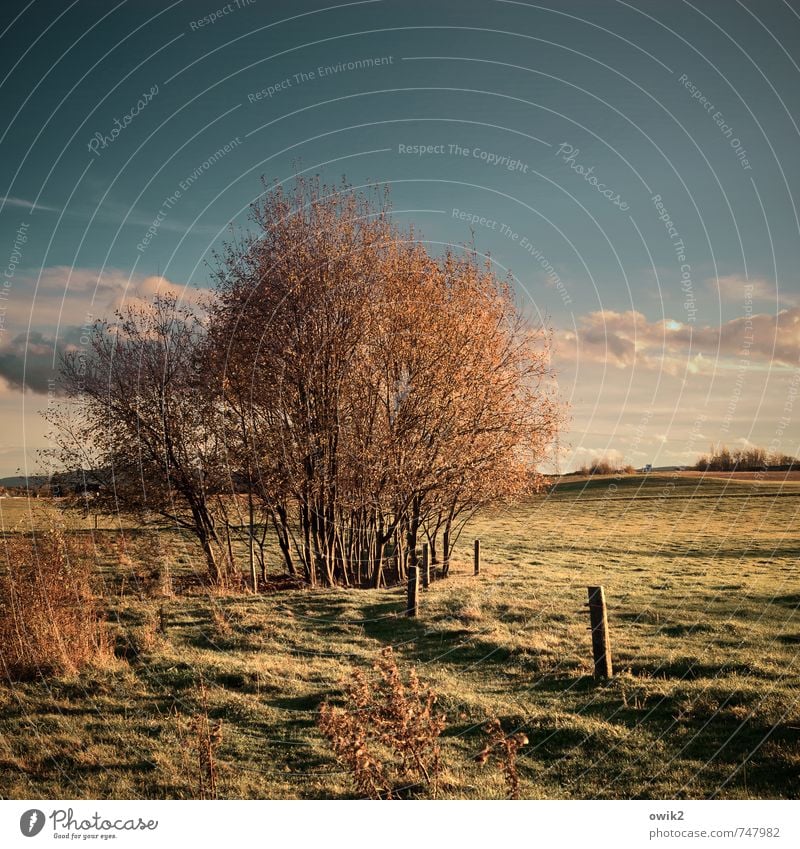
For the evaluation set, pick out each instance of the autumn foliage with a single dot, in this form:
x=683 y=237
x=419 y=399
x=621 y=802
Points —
x=381 y=394
x=346 y=387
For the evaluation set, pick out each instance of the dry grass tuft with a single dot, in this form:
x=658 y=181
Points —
x=471 y=613
x=50 y=621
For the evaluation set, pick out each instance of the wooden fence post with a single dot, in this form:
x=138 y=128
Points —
x=426 y=567
x=601 y=646
x=477 y=557
x=413 y=591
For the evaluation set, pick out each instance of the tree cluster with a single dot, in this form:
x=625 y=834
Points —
x=605 y=467
x=722 y=459
x=343 y=385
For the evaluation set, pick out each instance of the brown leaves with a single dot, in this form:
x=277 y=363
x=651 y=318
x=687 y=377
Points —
x=356 y=387
x=373 y=375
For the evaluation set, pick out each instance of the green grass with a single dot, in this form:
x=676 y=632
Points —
x=703 y=591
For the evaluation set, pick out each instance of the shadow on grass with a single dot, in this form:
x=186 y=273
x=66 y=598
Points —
x=421 y=643
x=686 y=669
x=789 y=600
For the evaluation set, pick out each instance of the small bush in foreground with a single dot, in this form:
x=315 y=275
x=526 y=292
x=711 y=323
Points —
x=387 y=733
x=49 y=618
x=503 y=748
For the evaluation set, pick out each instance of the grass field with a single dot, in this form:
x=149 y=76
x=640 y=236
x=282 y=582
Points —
x=703 y=589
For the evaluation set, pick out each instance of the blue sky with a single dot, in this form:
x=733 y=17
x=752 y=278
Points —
x=632 y=165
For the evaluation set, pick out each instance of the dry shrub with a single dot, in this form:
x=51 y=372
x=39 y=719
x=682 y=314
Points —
x=502 y=748
x=471 y=613
x=50 y=622
x=387 y=733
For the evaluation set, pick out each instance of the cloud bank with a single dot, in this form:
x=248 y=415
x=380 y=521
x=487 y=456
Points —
x=58 y=303
x=625 y=339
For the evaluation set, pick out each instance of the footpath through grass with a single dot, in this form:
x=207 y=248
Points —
x=702 y=583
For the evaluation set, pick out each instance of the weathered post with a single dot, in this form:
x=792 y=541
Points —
x=413 y=591
x=426 y=567
x=477 y=557
x=601 y=646
x=446 y=554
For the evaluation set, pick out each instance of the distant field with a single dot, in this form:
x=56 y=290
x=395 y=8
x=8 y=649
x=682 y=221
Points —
x=16 y=513
x=755 y=477
x=702 y=582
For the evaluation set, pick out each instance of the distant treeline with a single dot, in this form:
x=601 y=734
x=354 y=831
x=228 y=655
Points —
x=722 y=459
x=605 y=467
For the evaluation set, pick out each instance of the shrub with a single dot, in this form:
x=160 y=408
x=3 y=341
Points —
x=49 y=618
x=387 y=733
x=503 y=748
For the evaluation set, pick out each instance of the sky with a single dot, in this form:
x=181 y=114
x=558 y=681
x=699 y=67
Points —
x=633 y=167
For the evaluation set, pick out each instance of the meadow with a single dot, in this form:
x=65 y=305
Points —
x=702 y=583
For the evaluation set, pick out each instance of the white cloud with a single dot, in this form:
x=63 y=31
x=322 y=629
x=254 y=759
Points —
x=56 y=304
x=26 y=204
x=738 y=289
x=63 y=295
